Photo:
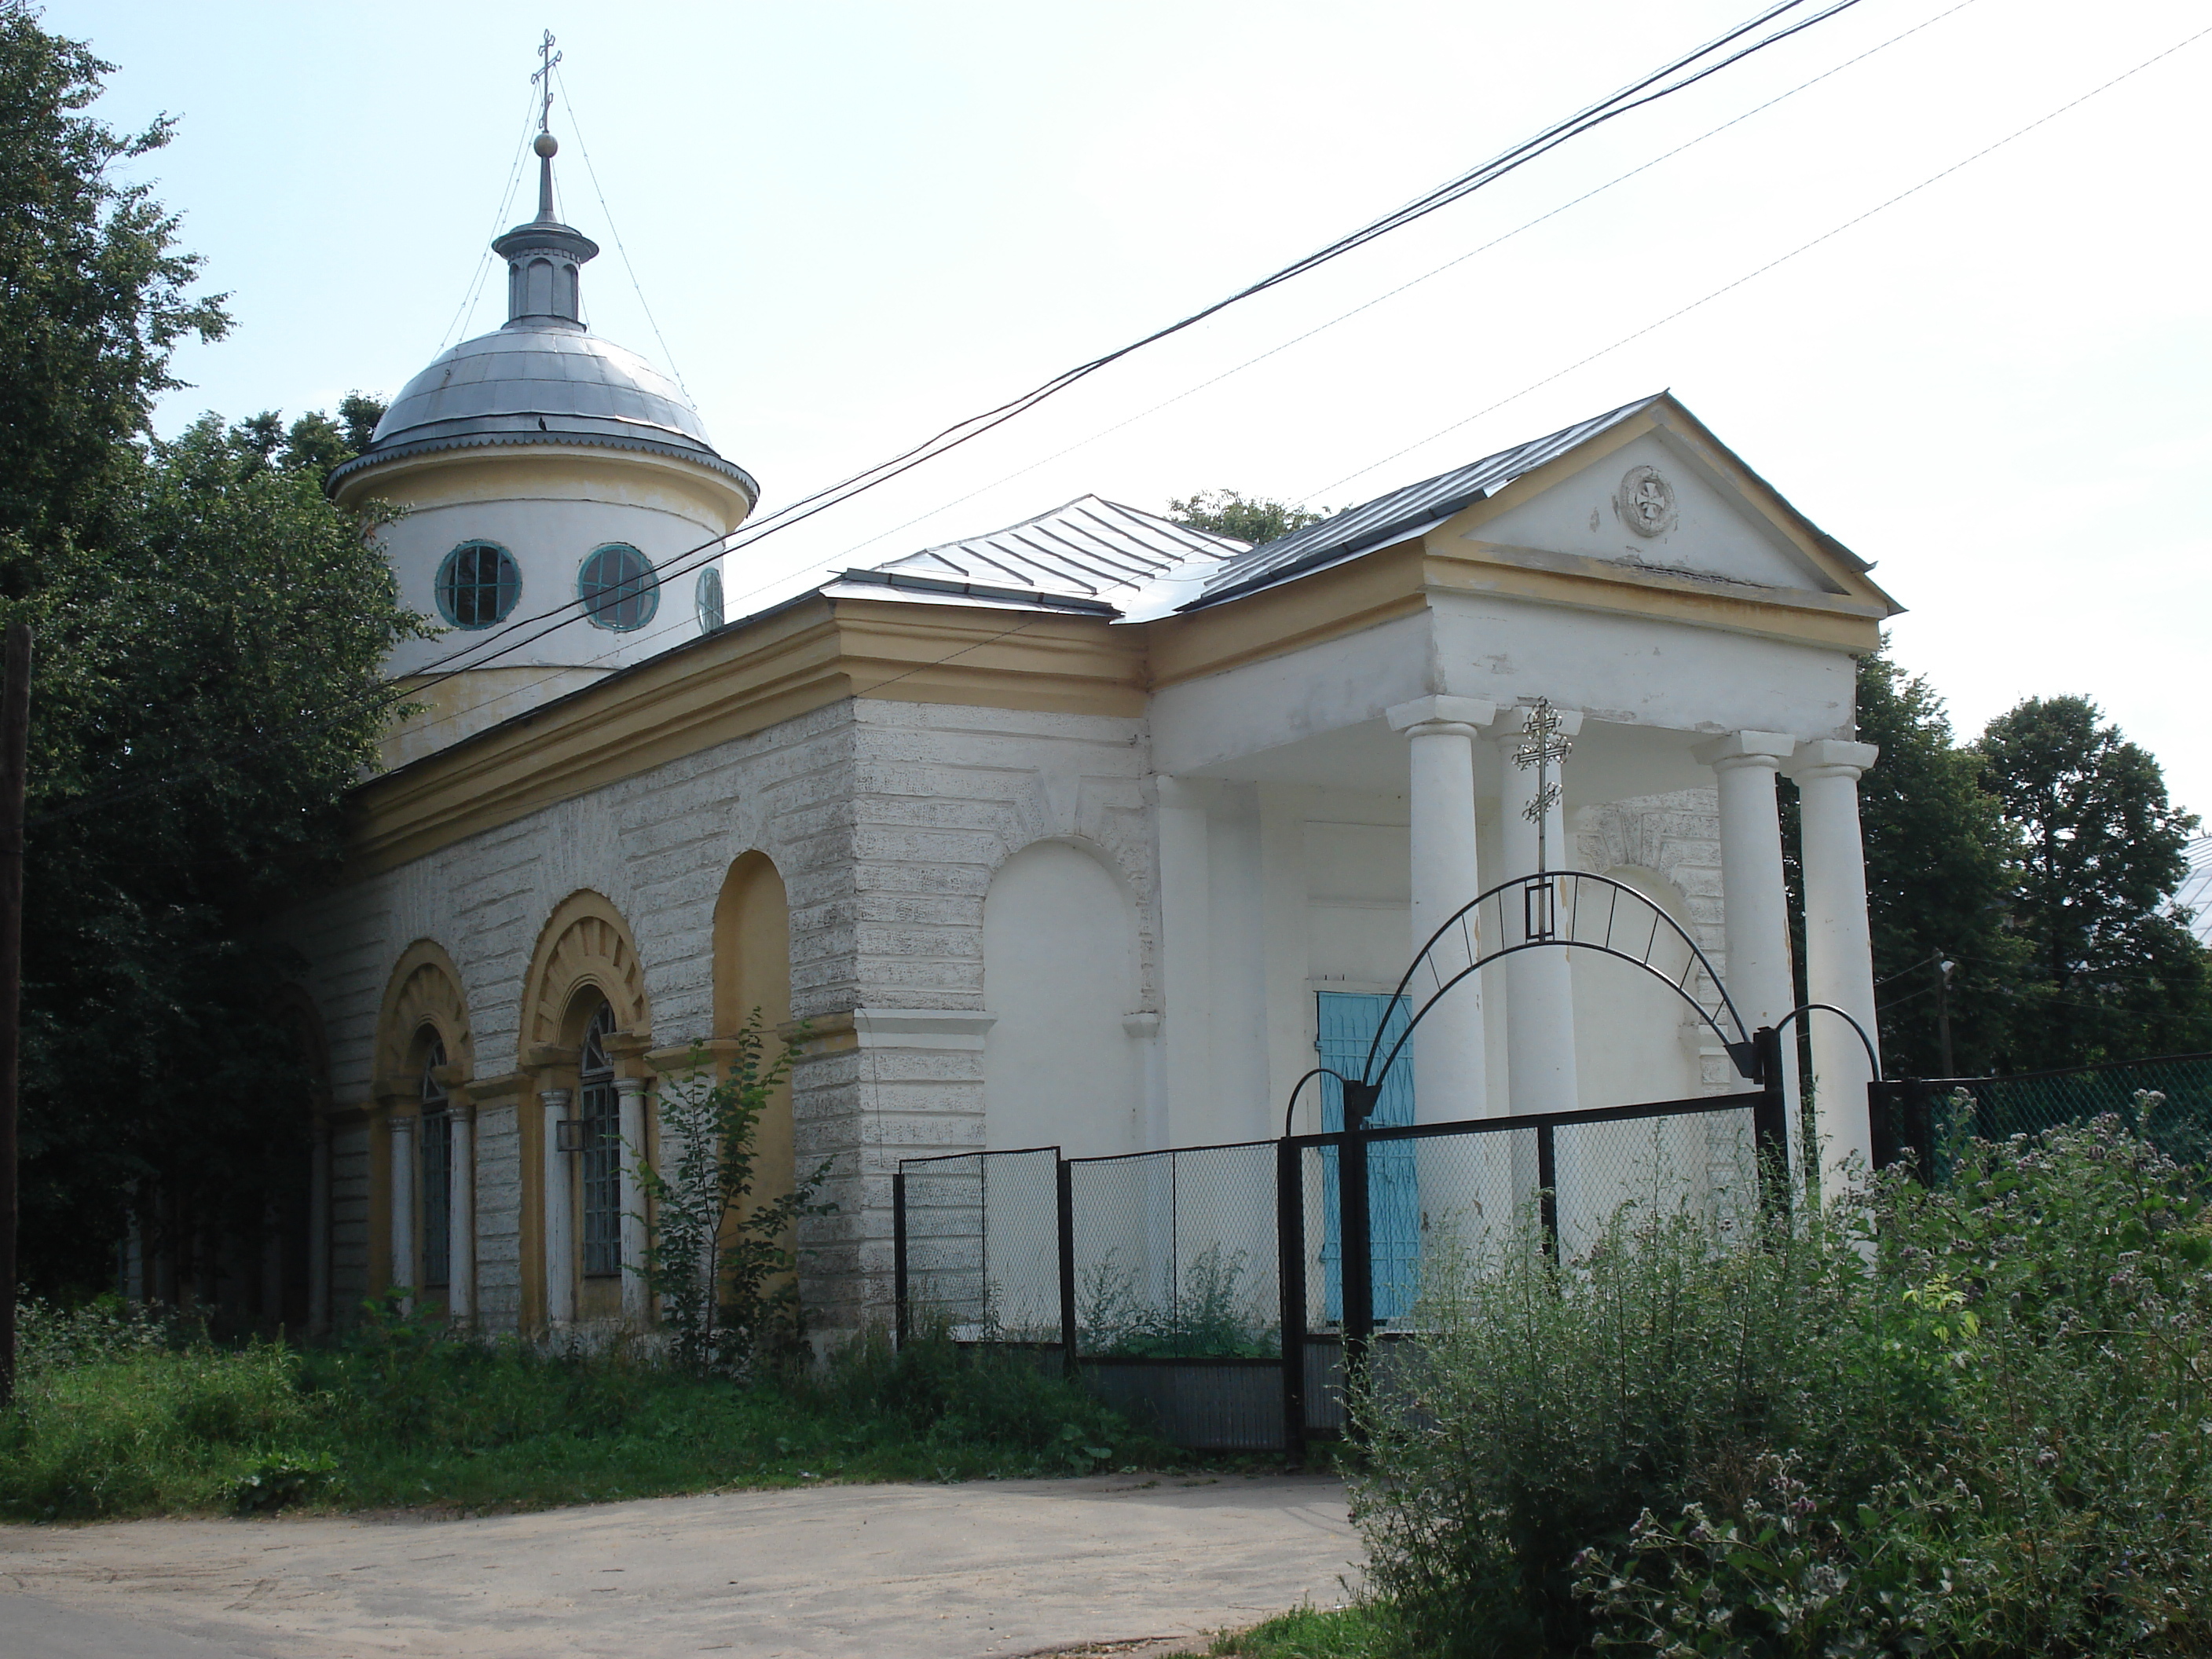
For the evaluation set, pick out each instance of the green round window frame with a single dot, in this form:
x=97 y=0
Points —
x=619 y=587
x=478 y=585
x=707 y=596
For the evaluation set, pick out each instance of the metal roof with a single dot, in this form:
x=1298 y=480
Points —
x=1393 y=516
x=1087 y=548
x=541 y=379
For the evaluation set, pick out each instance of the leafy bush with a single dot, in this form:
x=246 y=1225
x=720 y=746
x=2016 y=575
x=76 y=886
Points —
x=152 y=1429
x=1207 y=1316
x=950 y=1395
x=1975 y=1421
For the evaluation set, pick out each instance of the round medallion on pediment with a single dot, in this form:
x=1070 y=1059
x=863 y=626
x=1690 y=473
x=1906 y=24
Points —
x=1645 y=501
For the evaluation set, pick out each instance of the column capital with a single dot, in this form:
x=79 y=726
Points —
x=1767 y=749
x=1831 y=758
x=629 y=1088
x=1471 y=713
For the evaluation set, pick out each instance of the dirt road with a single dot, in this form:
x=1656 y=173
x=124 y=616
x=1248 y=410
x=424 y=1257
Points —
x=997 y=1568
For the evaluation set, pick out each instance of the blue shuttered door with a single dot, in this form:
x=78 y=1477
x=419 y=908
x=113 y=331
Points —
x=1346 y=1023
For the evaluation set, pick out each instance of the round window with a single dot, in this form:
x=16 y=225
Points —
x=619 y=587
x=710 y=600
x=478 y=585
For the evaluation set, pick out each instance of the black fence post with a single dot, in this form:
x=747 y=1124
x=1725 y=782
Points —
x=1770 y=1121
x=1548 y=1187
x=1291 y=1284
x=1064 y=1179
x=1881 y=1122
x=902 y=1326
x=1355 y=1224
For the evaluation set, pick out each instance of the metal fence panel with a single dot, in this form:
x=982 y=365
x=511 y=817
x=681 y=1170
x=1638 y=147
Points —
x=981 y=1243
x=1176 y=1253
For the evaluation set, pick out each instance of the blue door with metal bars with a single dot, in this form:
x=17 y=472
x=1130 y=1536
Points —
x=1345 y=1023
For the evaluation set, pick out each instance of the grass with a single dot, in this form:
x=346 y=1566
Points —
x=1359 y=1631
x=129 y=1420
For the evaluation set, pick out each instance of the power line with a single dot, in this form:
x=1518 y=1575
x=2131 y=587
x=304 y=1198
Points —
x=606 y=212
x=1771 y=264
x=467 y=308
x=965 y=431
x=1676 y=76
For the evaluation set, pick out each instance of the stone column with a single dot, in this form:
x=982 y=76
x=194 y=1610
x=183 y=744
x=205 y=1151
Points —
x=318 y=1228
x=461 y=1215
x=403 y=1204
x=1839 y=946
x=1539 y=988
x=636 y=1298
x=559 y=1219
x=1752 y=891
x=1448 y=1079
x=1186 y=909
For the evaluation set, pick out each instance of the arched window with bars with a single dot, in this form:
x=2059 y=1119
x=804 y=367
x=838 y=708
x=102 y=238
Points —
x=435 y=1142
x=599 y=1108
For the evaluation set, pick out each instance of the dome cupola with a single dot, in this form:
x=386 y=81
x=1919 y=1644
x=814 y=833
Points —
x=549 y=478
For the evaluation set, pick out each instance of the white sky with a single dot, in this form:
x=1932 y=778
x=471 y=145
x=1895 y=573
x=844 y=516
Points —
x=856 y=222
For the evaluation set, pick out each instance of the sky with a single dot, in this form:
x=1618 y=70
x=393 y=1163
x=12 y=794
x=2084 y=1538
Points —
x=845 y=225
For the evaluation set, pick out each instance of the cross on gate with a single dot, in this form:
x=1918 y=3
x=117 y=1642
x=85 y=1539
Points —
x=1541 y=746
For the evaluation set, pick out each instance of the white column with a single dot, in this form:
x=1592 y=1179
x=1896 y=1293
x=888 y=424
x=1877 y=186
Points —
x=403 y=1204
x=1189 y=1097
x=560 y=1218
x=1752 y=892
x=319 y=1229
x=636 y=1299
x=1838 y=945
x=1448 y=1078
x=1540 y=987
x=461 y=1218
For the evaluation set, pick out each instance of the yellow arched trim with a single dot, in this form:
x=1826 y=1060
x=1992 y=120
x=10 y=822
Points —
x=584 y=942
x=425 y=989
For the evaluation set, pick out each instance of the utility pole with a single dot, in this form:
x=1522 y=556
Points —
x=1943 y=972
x=15 y=745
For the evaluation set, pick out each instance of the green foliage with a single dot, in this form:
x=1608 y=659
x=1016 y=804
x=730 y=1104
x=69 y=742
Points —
x=2119 y=974
x=1968 y=1421
x=1207 y=1316
x=1363 y=1631
x=717 y=1256
x=1941 y=864
x=207 y=687
x=93 y=297
x=1254 y=518
x=400 y=1414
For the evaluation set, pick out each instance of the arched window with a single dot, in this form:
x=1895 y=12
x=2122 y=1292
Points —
x=437 y=1190
x=709 y=598
x=478 y=585
x=600 y=1109
x=619 y=587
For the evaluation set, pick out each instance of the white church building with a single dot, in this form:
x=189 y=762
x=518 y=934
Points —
x=1080 y=832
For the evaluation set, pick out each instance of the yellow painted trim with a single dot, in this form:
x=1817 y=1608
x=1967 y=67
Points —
x=490 y=472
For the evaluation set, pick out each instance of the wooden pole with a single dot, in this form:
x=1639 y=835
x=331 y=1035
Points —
x=14 y=742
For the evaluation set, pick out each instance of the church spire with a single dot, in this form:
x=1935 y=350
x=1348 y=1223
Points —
x=544 y=257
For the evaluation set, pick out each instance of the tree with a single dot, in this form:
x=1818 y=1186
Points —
x=1941 y=863
x=209 y=686
x=93 y=296
x=1253 y=518
x=2116 y=971
x=210 y=635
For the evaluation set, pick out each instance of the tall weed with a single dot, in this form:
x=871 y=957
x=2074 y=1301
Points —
x=1970 y=1421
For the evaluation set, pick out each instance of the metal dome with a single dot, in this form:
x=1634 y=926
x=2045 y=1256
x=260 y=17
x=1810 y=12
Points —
x=541 y=379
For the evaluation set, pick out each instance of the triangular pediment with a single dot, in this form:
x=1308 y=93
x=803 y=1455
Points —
x=1657 y=495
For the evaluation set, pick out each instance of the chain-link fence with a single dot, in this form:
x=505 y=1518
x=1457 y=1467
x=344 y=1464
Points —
x=978 y=1245
x=1920 y=1115
x=1216 y=1291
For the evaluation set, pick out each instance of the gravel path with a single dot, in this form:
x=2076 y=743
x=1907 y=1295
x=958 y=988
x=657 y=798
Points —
x=998 y=1568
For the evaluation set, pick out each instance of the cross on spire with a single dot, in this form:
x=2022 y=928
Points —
x=541 y=78
x=1541 y=746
